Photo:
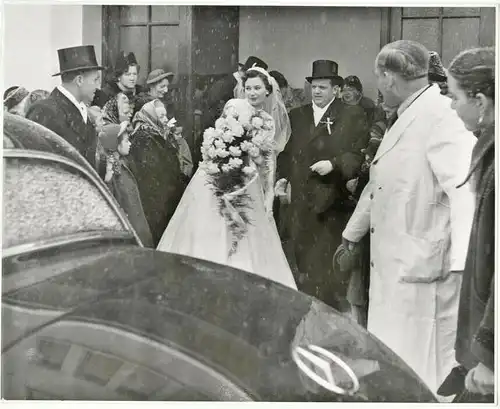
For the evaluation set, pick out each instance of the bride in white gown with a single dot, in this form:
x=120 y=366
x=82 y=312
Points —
x=198 y=229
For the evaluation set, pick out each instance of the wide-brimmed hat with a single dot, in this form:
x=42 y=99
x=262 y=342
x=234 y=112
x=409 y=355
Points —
x=436 y=69
x=322 y=69
x=157 y=75
x=253 y=61
x=80 y=58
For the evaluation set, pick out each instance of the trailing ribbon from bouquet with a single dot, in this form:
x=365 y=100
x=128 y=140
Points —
x=232 y=151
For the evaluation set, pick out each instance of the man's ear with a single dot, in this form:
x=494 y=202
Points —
x=79 y=80
x=391 y=78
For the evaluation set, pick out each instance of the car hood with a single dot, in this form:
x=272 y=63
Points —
x=243 y=326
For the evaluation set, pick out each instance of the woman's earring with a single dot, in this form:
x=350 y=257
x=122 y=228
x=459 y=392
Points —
x=481 y=119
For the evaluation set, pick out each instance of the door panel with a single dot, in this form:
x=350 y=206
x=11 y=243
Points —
x=447 y=30
x=133 y=14
x=164 y=48
x=132 y=39
x=459 y=34
x=164 y=14
x=425 y=31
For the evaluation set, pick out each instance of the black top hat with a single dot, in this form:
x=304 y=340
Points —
x=123 y=61
x=324 y=69
x=253 y=62
x=80 y=58
x=280 y=78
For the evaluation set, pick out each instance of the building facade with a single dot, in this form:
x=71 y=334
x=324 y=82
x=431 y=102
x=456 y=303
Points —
x=208 y=41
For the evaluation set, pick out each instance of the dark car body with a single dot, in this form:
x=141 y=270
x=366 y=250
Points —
x=93 y=315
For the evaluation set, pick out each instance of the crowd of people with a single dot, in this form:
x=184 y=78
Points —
x=381 y=209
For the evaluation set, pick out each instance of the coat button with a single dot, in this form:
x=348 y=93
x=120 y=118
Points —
x=371 y=196
x=372 y=230
x=372 y=264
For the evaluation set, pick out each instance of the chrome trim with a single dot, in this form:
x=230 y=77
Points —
x=51 y=157
x=67 y=239
x=301 y=355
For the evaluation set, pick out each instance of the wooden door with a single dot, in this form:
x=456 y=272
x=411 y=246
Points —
x=160 y=37
x=193 y=42
x=447 y=30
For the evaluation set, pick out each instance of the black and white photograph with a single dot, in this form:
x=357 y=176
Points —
x=268 y=203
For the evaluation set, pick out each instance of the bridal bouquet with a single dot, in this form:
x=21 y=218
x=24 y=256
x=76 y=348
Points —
x=241 y=136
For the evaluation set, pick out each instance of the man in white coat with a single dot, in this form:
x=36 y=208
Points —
x=418 y=220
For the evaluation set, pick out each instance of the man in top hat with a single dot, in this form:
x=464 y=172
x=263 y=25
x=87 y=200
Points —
x=65 y=110
x=323 y=153
x=225 y=89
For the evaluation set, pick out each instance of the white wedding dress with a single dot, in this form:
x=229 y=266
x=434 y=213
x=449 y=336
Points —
x=198 y=230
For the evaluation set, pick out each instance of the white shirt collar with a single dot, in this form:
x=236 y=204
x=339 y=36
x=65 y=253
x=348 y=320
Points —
x=80 y=105
x=408 y=101
x=319 y=112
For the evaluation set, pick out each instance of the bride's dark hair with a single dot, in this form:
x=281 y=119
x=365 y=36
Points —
x=257 y=74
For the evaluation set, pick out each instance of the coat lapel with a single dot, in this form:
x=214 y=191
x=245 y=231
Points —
x=331 y=113
x=485 y=142
x=308 y=118
x=73 y=116
x=392 y=136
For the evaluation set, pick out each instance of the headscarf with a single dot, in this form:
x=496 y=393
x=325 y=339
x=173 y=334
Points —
x=111 y=111
x=147 y=119
x=14 y=96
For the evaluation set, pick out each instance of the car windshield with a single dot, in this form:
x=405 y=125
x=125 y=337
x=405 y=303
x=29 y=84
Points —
x=45 y=200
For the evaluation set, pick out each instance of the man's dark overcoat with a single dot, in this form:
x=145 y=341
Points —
x=320 y=205
x=61 y=116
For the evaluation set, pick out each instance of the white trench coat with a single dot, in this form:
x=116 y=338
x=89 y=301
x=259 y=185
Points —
x=420 y=225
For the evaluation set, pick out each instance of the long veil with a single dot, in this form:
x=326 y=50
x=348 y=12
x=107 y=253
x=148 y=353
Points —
x=276 y=108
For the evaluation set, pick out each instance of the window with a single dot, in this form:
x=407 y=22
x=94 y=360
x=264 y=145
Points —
x=46 y=200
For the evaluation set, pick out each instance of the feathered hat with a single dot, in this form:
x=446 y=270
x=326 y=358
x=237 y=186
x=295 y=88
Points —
x=436 y=69
x=123 y=61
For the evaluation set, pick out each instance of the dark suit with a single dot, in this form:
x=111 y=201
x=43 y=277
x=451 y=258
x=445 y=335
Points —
x=320 y=205
x=61 y=116
x=216 y=97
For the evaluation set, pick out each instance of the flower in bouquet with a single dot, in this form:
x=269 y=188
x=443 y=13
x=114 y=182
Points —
x=241 y=135
x=257 y=122
x=235 y=151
